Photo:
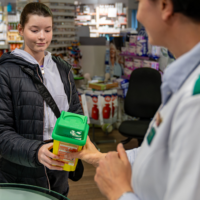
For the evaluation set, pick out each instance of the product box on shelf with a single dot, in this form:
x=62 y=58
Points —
x=128 y=72
x=129 y=65
x=127 y=59
x=103 y=86
x=155 y=52
x=124 y=50
x=133 y=40
x=151 y=64
x=142 y=48
x=132 y=50
x=138 y=63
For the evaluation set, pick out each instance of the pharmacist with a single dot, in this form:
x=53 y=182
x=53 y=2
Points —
x=167 y=165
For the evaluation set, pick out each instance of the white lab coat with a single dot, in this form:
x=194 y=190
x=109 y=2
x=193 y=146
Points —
x=169 y=168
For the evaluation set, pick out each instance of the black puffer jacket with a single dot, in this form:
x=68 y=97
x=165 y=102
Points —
x=22 y=109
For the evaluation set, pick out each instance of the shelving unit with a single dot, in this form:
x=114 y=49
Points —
x=64 y=26
x=100 y=21
x=3 y=24
x=16 y=42
x=5 y=46
x=135 y=57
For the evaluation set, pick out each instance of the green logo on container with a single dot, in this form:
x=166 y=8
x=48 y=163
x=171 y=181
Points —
x=76 y=134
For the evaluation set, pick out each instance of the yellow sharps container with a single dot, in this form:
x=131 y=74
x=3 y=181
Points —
x=70 y=135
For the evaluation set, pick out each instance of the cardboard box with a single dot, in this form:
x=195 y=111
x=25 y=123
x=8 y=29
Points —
x=103 y=86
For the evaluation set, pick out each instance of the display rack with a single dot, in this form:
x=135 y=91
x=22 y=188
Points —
x=100 y=19
x=3 y=25
x=4 y=47
x=64 y=28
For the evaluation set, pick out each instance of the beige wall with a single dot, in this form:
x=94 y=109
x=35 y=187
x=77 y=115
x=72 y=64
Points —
x=93 y=60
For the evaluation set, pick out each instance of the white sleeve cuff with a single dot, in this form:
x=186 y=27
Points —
x=132 y=154
x=128 y=196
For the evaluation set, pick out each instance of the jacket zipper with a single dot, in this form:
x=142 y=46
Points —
x=43 y=134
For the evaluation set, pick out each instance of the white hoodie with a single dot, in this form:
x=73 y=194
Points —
x=54 y=84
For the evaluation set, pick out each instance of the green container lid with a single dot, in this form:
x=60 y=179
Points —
x=71 y=128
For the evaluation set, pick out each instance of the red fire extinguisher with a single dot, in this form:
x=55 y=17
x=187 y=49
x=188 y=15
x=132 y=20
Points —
x=95 y=112
x=106 y=111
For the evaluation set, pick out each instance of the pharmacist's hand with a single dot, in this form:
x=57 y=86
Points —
x=45 y=157
x=113 y=176
x=89 y=154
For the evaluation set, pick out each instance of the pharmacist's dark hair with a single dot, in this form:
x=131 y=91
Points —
x=189 y=8
x=34 y=8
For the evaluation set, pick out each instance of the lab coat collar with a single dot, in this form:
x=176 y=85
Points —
x=178 y=72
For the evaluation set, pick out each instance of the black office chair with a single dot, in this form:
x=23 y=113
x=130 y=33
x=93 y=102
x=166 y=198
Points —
x=142 y=101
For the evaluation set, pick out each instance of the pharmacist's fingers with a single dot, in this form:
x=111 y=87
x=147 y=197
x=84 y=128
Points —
x=72 y=155
x=52 y=162
x=52 y=167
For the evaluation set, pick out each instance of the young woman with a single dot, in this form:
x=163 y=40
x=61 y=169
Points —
x=26 y=121
x=167 y=165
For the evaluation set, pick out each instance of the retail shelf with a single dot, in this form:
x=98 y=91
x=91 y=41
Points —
x=111 y=23
x=3 y=31
x=87 y=24
x=106 y=14
x=64 y=26
x=13 y=41
x=16 y=31
x=109 y=32
x=105 y=23
x=66 y=39
x=58 y=52
x=94 y=31
x=3 y=39
x=56 y=1
x=61 y=7
x=80 y=14
x=63 y=14
x=64 y=33
x=59 y=45
x=63 y=20
x=136 y=57
x=5 y=46
x=82 y=21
